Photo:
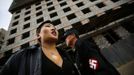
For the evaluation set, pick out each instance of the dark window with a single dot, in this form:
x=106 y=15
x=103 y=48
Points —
x=63 y=4
x=67 y=9
x=48 y=4
x=39 y=13
x=83 y=28
x=1 y=42
x=38 y=3
x=74 y=0
x=92 y=0
x=28 y=7
x=71 y=16
x=25 y=35
x=129 y=26
x=59 y=0
x=25 y=45
x=15 y=23
x=18 y=12
x=26 y=26
x=56 y=22
x=10 y=41
x=28 y=12
x=61 y=33
x=2 y=37
x=86 y=10
x=27 y=18
x=80 y=4
x=40 y=20
x=13 y=31
x=16 y=17
x=53 y=14
x=114 y=0
x=47 y=0
x=100 y=5
x=111 y=36
x=76 y=25
x=51 y=8
x=38 y=8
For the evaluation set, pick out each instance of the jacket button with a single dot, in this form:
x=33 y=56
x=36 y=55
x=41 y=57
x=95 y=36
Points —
x=73 y=72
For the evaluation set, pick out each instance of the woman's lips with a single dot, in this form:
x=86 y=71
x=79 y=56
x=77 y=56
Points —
x=54 y=33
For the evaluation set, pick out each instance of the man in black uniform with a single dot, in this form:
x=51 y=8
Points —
x=89 y=59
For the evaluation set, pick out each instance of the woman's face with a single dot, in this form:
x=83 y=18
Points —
x=48 y=33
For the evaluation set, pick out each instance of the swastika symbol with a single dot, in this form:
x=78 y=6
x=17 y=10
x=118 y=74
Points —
x=93 y=64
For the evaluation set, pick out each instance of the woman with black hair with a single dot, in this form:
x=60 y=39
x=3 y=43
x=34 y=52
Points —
x=45 y=59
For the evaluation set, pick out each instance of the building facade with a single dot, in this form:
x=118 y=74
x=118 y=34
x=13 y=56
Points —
x=2 y=36
x=104 y=22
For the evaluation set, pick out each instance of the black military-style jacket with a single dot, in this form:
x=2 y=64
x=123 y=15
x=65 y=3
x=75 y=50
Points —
x=90 y=60
x=23 y=62
x=26 y=62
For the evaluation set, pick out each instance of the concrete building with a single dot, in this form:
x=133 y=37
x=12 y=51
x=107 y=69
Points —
x=2 y=36
x=107 y=23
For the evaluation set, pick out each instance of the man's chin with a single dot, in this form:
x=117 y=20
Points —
x=69 y=45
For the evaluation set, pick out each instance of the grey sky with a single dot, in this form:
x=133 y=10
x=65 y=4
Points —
x=5 y=16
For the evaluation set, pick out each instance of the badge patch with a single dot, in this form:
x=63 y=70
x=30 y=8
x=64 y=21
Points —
x=93 y=63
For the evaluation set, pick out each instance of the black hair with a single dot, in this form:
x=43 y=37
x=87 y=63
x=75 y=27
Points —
x=41 y=25
x=71 y=31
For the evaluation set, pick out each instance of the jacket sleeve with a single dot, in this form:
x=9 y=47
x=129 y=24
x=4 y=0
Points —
x=10 y=67
x=93 y=58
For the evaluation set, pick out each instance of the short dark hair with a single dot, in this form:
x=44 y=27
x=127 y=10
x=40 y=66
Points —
x=41 y=25
x=69 y=32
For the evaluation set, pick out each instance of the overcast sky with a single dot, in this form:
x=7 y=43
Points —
x=5 y=16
